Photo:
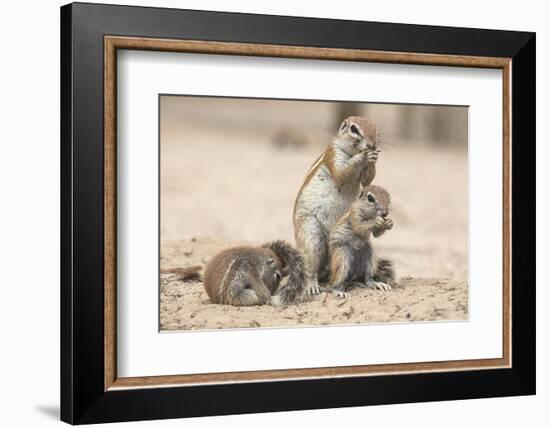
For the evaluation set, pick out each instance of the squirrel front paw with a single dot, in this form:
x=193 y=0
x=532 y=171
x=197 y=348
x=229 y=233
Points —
x=380 y=223
x=372 y=156
x=360 y=158
x=383 y=223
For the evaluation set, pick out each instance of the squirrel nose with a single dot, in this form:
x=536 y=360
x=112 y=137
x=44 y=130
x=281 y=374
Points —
x=383 y=212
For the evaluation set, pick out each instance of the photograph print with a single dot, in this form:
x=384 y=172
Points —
x=297 y=213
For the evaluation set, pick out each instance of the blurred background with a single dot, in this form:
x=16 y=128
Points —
x=302 y=123
x=231 y=168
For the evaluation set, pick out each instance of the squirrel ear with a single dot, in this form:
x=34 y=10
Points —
x=362 y=194
x=344 y=125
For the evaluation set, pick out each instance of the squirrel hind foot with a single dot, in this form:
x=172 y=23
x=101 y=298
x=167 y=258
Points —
x=312 y=288
x=341 y=294
x=376 y=285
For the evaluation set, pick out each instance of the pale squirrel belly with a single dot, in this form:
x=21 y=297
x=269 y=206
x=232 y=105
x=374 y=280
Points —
x=323 y=199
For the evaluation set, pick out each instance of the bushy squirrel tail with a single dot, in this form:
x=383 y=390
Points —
x=293 y=263
x=384 y=271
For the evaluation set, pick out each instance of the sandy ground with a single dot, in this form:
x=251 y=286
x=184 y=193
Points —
x=245 y=192
x=185 y=305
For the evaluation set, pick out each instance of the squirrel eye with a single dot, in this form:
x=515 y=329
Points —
x=370 y=198
x=354 y=129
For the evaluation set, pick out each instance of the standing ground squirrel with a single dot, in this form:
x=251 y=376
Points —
x=246 y=276
x=351 y=254
x=330 y=186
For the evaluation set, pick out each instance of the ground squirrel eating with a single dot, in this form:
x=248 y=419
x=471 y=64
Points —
x=246 y=276
x=330 y=186
x=351 y=254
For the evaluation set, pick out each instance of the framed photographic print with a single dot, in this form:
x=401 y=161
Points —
x=265 y=213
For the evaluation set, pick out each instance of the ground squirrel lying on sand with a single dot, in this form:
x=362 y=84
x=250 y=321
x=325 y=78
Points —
x=351 y=253
x=246 y=276
x=330 y=186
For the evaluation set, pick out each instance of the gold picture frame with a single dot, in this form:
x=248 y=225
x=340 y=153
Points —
x=114 y=43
